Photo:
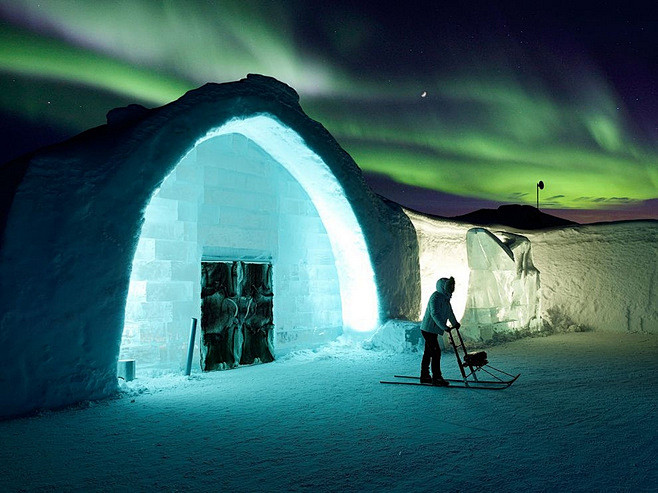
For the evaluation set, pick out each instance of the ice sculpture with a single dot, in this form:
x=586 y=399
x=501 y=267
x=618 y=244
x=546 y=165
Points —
x=503 y=286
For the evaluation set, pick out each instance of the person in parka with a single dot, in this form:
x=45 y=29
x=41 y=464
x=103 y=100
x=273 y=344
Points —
x=437 y=313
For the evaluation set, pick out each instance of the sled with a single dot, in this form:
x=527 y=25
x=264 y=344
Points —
x=470 y=366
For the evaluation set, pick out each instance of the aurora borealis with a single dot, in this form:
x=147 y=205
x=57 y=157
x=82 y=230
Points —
x=446 y=109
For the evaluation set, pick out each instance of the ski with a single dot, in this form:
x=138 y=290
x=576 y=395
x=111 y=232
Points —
x=457 y=384
x=451 y=380
x=460 y=384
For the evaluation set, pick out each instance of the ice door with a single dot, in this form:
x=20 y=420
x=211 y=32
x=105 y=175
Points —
x=236 y=314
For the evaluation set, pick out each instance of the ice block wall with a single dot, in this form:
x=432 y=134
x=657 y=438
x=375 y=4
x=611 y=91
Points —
x=227 y=199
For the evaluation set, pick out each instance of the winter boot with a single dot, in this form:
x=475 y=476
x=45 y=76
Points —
x=439 y=382
x=425 y=378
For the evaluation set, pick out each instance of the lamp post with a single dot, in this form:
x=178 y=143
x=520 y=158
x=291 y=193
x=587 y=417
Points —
x=540 y=186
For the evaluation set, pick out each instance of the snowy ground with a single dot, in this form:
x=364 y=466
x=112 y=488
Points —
x=582 y=417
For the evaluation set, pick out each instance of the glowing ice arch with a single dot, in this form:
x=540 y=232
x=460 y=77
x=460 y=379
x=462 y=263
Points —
x=358 y=291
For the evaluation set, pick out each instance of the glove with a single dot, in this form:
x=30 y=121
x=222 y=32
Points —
x=457 y=325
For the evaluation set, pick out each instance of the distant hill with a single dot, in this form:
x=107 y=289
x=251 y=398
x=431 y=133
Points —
x=515 y=216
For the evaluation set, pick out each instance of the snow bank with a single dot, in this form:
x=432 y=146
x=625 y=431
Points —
x=601 y=276
x=395 y=336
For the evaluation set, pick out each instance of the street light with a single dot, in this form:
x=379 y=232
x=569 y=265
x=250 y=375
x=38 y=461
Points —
x=540 y=186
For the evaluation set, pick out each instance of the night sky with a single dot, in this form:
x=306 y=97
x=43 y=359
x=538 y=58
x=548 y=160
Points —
x=446 y=108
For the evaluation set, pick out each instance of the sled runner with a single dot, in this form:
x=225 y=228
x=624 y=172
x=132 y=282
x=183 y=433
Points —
x=471 y=363
x=469 y=366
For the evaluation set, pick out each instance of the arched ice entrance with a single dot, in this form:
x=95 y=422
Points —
x=251 y=191
x=86 y=199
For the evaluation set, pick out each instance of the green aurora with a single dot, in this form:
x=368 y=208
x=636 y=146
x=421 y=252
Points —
x=478 y=130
